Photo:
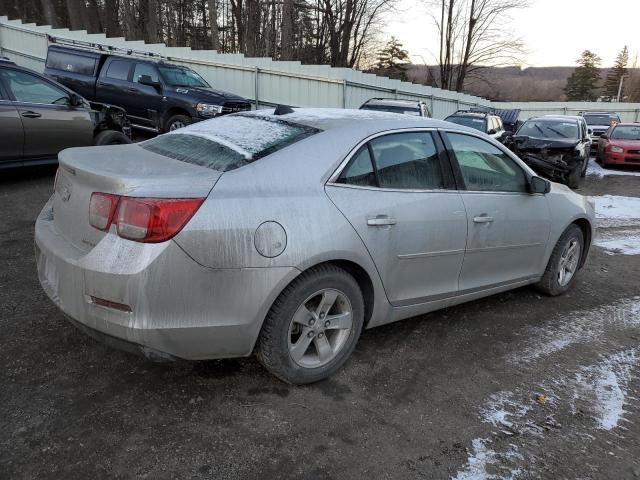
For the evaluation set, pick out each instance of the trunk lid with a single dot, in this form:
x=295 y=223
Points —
x=122 y=170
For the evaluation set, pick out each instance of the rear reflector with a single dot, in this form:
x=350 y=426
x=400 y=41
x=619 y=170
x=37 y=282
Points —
x=109 y=304
x=102 y=206
x=147 y=220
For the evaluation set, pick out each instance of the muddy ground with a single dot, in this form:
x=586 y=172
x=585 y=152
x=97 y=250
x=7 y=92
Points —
x=516 y=385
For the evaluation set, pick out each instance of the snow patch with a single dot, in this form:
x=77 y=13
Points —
x=614 y=210
x=482 y=457
x=500 y=407
x=594 y=168
x=620 y=242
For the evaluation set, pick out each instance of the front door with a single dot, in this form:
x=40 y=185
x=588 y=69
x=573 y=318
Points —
x=508 y=228
x=146 y=100
x=50 y=124
x=397 y=193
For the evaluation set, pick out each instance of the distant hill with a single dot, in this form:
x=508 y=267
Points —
x=542 y=84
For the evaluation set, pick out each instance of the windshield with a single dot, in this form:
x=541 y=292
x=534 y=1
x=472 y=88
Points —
x=182 y=77
x=228 y=142
x=473 y=122
x=604 y=119
x=550 y=129
x=392 y=109
x=626 y=132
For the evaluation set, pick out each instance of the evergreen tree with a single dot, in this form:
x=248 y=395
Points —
x=612 y=83
x=582 y=85
x=392 y=60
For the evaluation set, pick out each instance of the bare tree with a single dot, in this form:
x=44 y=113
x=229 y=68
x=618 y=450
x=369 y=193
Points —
x=473 y=34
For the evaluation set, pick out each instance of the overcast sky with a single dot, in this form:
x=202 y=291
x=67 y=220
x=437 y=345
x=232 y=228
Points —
x=555 y=31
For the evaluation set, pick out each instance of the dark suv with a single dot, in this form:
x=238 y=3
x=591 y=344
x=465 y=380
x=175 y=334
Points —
x=40 y=117
x=157 y=96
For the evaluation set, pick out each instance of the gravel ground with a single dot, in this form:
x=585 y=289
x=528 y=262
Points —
x=512 y=386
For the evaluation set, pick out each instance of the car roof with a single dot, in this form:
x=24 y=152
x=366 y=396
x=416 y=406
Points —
x=401 y=102
x=599 y=113
x=468 y=113
x=559 y=118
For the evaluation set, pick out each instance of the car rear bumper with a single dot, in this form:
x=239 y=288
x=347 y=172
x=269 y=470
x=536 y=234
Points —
x=178 y=308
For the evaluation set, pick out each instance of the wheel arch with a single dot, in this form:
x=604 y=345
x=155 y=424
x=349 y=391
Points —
x=587 y=232
x=174 y=111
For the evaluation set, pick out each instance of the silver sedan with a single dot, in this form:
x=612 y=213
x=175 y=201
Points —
x=286 y=233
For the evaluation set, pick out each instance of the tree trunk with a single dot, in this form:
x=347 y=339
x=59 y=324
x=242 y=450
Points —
x=213 y=22
x=110 y=19
x=287 y=30
x=49 y=13
x=151 y=23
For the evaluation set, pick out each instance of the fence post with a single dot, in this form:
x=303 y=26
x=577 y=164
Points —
x=637 y=115
x=564 y=109
x=395 y=93
x=344 y=93
x=256 y=93
x=432 y=104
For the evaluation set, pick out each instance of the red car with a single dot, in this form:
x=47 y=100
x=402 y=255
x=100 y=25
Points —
x=620 y=145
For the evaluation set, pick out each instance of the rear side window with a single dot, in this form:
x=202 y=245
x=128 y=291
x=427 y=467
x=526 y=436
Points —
x=119 y=70
x=229 y=142
x=71 y=63
x=360 y=170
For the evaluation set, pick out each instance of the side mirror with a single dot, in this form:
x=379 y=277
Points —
x=75 y=100
x=539 y=185
x=147 y=80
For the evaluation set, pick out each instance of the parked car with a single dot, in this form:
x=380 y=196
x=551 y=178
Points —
x=620 y=145
x=554 y=146
x=598 y=123
x=157 y=96
x=408 y=107
x=484 y=122
x=287 y=234
x=39 y=118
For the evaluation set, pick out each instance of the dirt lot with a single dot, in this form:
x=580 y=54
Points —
x=516 y=385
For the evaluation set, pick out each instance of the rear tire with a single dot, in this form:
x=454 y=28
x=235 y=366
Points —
x=177 y=121
x=111 y=137
x=553 y=283
x=313 y=326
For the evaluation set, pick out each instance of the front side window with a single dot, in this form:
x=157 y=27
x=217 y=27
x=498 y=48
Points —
x=145 y=69
x=29 y=88
x=407 y=161
x=118 y=70
x=484 y=167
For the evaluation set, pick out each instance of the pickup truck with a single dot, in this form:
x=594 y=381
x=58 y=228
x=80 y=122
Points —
x=157 y=96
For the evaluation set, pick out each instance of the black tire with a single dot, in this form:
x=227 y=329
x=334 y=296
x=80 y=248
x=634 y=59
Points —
x=111 y=137
x=549 y=284
x=177 y=121
x=272 y=348
x=574 y=176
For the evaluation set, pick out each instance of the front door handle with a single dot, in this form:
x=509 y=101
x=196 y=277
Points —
x=381 y=221
x=483 y=219
x=30 y=114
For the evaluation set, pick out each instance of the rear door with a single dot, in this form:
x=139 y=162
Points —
x=398 y=193
x=50 y=123
x=11 y=131
x=113 y=85
x=508 y=228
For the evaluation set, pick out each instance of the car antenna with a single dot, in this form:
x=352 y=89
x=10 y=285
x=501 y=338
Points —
x=283 y=110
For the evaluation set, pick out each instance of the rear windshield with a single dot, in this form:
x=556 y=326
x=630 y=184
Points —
x=605 y=119
x=626 y=132
x=392 y=109
x=549 y=129
x=473 y=122
x=229 y=142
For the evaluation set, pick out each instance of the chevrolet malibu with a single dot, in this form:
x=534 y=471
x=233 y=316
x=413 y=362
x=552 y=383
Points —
x=286 y=233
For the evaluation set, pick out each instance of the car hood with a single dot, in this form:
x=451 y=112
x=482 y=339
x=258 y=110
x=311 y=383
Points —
x=523 y=142
x=208 y=94
x=625 y=143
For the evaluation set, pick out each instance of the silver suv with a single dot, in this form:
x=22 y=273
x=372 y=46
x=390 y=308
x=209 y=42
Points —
x=598 y=123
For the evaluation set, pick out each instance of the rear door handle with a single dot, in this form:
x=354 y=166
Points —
x=483 y=219
x=30 y=114
x=131 y=89
x=381 y=221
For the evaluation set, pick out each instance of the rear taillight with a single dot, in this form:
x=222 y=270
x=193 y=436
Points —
x=147 y=220
x=102 y=206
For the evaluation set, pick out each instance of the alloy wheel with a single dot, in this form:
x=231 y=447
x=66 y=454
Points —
x=569 y=262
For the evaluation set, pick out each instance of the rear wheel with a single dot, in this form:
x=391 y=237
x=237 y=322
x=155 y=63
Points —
x=313 y=326
x=177 y=121
x=111 y=137
x=564 y=263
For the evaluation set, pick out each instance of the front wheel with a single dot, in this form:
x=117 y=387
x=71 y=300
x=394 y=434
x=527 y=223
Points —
x=177 y=121
x=564 y=263
x=313 y=326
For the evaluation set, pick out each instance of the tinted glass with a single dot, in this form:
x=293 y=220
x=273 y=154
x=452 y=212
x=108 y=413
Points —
x=556 y=129
x=473 y=122
x=32 y=89
x=407 y=161
x=182 y=77
x=360 y=170
x=71 y=63
x=626 y=132
x=145 y=69
x=119 y=70
x=485 y=167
